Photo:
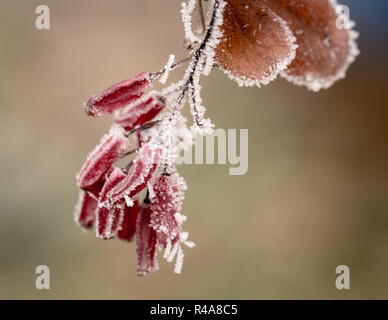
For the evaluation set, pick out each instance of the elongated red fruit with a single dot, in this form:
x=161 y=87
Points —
x=145 y=243
x=85 y=210
x=118 y=96
x=112 y=146
x=128 y=223
x=145 y=165
x=108 y=217
x=140 y=112
x=166 y=206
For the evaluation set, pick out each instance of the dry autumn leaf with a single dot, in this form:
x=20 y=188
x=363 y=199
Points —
x=298 y=39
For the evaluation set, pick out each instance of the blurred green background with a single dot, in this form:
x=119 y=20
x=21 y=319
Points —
x=315 y=195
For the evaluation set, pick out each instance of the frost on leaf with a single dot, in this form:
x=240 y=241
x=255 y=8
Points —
x=145 y=243
x=128 y=224
x=324 y=51
x=141 y=111
x=118 y=95
x=144 y=165
x=256 y=45
x=85 y=210
x=298 y=39
x=109 y=217
x=101 y=159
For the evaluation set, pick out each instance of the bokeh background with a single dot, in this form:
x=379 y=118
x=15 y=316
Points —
x=315 y=195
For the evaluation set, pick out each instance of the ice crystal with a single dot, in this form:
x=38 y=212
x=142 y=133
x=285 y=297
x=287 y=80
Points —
x=186 y=12
x=167 y=69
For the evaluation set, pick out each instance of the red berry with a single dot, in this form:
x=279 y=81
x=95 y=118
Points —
x=140 y=112
x=118 y=96
x=128 y=224
x=101 y=159
x=85 y=210
x=145 y=165
x=145 y=243
x=108 y=217
x=166 y=206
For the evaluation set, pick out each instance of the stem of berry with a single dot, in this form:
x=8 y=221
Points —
x=201 y=16
x=198 y=53
x=129 y=153
x=147 y=198
x=143 y=127
x=156 y=74
x=127 y=167
x=189 y=84
x=193 y=97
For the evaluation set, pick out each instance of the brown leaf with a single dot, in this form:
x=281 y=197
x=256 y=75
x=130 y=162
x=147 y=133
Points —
x=255 y=44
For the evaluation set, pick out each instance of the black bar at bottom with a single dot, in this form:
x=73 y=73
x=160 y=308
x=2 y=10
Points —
x=192 y=309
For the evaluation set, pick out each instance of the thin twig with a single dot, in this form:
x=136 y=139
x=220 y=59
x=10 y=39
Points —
x=156 y=74
x=127 y=167
x=194 y=103
x=201 y=16
x=196 y=58
x=143 y=127
x=129 y=153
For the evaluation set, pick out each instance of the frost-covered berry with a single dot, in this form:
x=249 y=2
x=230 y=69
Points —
x=108 y=217
x=141 y=111
x=118 y=96
x=127 y=227
x=144 y=165
x=112 y=146
x=166 y=205
x=85 y=210
x=166 y=219
x=145 y=243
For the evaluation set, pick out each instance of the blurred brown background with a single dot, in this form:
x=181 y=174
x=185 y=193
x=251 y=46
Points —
x=315 y=195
